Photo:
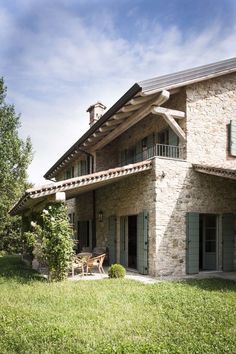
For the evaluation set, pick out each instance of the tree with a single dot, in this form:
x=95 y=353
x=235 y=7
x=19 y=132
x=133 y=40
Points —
x=15 y=157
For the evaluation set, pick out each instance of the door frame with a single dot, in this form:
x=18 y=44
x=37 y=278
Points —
x=216 y=242
x=142 y=241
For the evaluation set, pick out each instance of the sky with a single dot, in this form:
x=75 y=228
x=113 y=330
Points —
x=58 y=57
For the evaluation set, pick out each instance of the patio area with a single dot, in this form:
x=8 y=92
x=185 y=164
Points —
x=146 y=279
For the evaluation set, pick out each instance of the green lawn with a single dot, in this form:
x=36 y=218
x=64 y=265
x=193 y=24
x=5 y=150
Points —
x=113 y=316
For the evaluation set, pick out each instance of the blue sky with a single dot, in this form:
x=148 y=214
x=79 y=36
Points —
x=59 y=56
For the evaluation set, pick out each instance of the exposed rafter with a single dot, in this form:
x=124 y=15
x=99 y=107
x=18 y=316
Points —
x=121 y=115
x=111 y=123
x=174 y=113
x=136 y=117
x=104 y=129
x=131 y=107
x=165 y=113
x=137 y=100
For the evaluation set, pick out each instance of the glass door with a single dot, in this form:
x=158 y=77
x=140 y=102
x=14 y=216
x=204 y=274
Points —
x=210 y=242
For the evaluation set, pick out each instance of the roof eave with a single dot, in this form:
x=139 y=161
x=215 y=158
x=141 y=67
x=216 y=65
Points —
x=118 y=105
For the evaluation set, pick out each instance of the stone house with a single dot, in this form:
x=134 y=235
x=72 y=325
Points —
x=153 y=179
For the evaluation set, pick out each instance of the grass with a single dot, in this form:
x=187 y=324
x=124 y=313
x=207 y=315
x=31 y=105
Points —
x=113 y=316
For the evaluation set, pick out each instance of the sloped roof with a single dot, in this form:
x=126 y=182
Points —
x=215 y=171
x=144 y=91
x=77 y=185
x=186 y=77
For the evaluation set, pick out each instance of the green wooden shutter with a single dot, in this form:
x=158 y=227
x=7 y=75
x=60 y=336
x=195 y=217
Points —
x=123 y=158
x=228 y=241
x=84 y=167
x=138 y=152
x=79 y=169
x=232 y=144
x=142 y=242
x=150 y=144
x=173 y=138
x=123 y=241
x=173 y=141
x=112 y=239
x=192 y=254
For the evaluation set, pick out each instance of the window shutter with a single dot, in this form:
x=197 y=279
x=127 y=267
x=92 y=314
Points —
x=79 y=168
x=142 y=242
x=232 y=145
x=138 y=152
x=173 y=138
x=228 y=242
x=68 y=174
x=192 y=240
x=150 y=145
x=83 y=167
x=72 y=172
x=130 y=155
x=112 y=239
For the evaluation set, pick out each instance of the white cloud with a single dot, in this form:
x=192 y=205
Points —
x=60 y=64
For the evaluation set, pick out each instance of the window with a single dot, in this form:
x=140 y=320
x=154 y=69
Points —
x=82 y=168
x=70 y=173
x=163 y=137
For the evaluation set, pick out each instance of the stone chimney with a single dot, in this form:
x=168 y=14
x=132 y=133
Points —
x=95 y=112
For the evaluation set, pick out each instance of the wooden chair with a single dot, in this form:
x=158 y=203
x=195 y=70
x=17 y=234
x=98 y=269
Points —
x=96 y=262
x=78 y=263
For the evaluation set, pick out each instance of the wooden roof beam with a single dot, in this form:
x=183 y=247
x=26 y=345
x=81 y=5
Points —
x=104 y=129
x=174 y=113
x=134 y=118
x=130 y=108
x=111 y=123
x=121 y=115
x=137 y=100
x=174 y=126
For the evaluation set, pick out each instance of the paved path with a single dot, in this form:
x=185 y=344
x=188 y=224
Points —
x=146 y=279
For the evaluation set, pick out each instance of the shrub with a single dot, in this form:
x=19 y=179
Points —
x=51 y=240
x=116 y=271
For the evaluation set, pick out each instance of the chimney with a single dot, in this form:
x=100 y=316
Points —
x=95 y=112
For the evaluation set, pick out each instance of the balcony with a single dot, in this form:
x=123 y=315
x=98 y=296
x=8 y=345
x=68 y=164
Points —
x=168 y=151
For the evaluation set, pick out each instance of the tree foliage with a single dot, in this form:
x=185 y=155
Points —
x=15 y=157
x=52 y=240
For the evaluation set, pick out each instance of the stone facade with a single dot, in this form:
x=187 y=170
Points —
x=210 y=106
x=172 y=188
x=180 y=191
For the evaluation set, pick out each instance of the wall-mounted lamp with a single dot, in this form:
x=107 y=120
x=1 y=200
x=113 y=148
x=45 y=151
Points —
x=100 y=216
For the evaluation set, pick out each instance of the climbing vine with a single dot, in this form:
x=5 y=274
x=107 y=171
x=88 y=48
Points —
x=52 y=240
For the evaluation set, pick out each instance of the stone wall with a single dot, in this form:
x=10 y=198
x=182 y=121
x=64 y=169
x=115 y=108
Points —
x=179 y=190
x=130 y=196
x=211 y=105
